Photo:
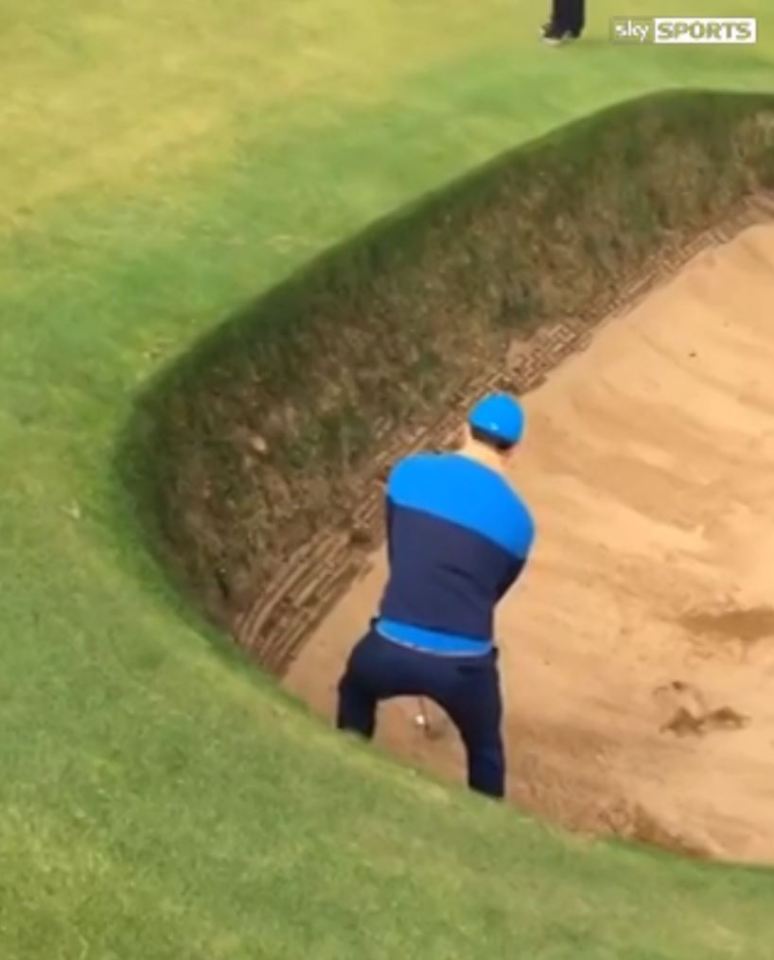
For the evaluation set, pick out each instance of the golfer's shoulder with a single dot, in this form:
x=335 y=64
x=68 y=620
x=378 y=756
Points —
x=414 y=468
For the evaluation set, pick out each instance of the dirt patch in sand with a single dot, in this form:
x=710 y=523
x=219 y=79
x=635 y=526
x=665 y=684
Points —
x=638 y=651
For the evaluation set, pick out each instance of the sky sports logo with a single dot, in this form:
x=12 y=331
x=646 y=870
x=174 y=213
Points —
x=682 y=30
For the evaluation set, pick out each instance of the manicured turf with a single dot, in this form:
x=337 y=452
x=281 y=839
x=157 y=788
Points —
x=161 y=163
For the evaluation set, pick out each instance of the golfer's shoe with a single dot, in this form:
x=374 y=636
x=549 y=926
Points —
x=553 y=38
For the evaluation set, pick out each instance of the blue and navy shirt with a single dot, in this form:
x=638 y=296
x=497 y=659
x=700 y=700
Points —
x=458 y=537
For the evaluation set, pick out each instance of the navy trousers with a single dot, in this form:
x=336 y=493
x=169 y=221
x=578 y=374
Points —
x=568 y=16
x=466 y=688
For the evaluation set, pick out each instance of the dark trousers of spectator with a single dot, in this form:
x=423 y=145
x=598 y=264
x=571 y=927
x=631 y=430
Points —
x=467 y=688
x=568 y=16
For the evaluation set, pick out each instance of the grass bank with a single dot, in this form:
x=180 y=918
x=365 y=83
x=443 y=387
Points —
x=249 y=445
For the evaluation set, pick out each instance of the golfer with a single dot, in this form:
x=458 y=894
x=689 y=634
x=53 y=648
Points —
x=458 y=537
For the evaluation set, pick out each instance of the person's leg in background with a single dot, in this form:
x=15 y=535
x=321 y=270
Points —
x=474 y=704
x=568 y=19
x=576 y=17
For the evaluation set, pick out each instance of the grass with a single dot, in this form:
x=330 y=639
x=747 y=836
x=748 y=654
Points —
x=162 y=164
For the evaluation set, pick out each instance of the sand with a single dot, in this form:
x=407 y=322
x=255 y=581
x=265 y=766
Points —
x=638 y=648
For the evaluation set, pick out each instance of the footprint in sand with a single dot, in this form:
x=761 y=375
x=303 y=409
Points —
x=685 y=711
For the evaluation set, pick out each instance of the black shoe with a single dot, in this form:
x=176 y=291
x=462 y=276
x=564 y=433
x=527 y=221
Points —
x=553 y=37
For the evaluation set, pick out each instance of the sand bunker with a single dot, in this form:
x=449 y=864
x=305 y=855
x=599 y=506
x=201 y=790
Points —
x=638 y=650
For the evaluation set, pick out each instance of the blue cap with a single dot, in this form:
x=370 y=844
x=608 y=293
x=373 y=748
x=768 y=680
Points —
x=500 y=416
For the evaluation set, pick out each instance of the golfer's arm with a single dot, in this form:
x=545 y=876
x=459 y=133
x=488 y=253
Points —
x=389 y=511
x=519 y=564
x=514 y=573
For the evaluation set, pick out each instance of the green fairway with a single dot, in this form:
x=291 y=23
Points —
x=160 y=164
